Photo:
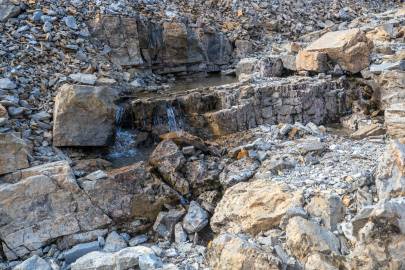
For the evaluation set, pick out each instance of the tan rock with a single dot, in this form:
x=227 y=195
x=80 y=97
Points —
x=392 y=87
x=305 y=237
x=369 y=130
x=390 y=173
x=311 y=61
x=13 y=153
x=395 y=120
x=83 y=116
x=3 y=112
x=348 y=48
x=253 y=207
x=229 y=251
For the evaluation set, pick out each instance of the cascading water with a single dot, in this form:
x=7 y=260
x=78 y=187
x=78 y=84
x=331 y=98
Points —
x=124 y=150
x=171 y=118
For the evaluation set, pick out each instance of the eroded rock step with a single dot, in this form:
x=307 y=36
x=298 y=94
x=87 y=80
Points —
x=237 y=107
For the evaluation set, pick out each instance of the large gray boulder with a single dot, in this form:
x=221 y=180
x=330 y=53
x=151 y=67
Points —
x=45 y=204
x=9 y=9
x=83 y=116
x=33 y=263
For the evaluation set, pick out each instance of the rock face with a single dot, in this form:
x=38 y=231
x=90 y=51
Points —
x=350 y=49
x=168 y=47
x=253 y=207
x=305 y=237
x=224 y=110
x=390 y=174
x=392 y=87
x=329 y=208
x=83 y=116
x=13 y=153
x=395 y=120
x=45 y=204
x=230 y=251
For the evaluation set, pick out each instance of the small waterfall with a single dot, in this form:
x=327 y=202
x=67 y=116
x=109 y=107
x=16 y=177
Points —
x=171 y=118
x=119 y=113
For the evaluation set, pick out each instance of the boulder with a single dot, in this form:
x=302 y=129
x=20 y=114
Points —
x=9 y=9
x=238 y=171
x=329 y=208
x=236 y=252
x=13 y=153
x=390 y=173
x=33 y=263
x=168 y=160
x=350 y=49
x=45 y=204
x=114 y=242
x=129 y=193
x=166 y=221
x=270 y=66
x=312 y=61
x=253 y=207
x=6 y=83
x=246 y=66
x=196 y=218
x=369 y=130
x=127 y=258
x=3 y=112
x=83 y=78
x=79 y=250
x=305 y=237
x=83 y=116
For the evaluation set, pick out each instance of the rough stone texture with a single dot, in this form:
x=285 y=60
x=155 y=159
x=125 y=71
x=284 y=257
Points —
x=305 y=237
x=392 y=87
x=45 y=204
x=246 y=66
x=312 y=61
x=329 y=208
x=196 y=218
x=128 y=193
x=121 y=35
x=239 y=171
x=395 y=120
x=114 y=242
x=270 y=66
x=33 y=263
x=80 y=250
x=122 y=260
x=349 y=48
x=253 y=207
x=9 y=9
x=228 y=109
x=169 y=161
x=230 y=251
x=166 y=221
x=83 y=116
x=390 y=174
x=167 y=47
x=13 y=153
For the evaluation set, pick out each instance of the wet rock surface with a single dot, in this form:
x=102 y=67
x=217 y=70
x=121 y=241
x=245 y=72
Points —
x=189 y=135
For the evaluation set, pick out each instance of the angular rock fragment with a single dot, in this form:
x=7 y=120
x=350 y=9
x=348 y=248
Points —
x=196 y=218
x=9 y=9
x=230 y=251
x=165 y=222
x=390 y=174
x=395 y=120
x=13 y=153
x=168 y=161
x=312 y=61
x=83 y=116
x=35 y=262
x=246 y=66
x=253 y=207
x=238 y=171
x=349 y=48
x=45 y=204
x=305 y=237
